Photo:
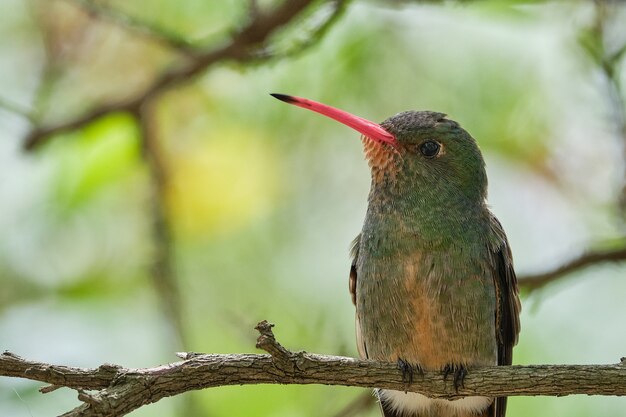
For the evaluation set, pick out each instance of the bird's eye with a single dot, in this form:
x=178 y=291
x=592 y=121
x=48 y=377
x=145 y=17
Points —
x=430 y=148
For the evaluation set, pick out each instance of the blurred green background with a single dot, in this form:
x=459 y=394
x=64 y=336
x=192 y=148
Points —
x=263 y=199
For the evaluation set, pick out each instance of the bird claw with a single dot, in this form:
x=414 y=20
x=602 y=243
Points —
x=419 y=369
x=408 y=371
x=458 y=372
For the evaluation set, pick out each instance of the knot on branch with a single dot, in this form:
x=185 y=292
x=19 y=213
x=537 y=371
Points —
x=109 y=370
x=88 y=398
x=282 y=358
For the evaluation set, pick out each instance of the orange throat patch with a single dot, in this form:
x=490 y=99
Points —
x=381 y=158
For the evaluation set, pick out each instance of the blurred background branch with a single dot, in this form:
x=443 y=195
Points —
x=163 y=267
x=16 y=108
x=98 y=11
x=245 y=45
x=242 y=47
x=357 y=406
x=608 y=54
x=536 y=281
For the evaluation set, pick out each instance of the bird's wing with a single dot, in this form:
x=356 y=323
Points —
x=354 y=255
x=508 y=305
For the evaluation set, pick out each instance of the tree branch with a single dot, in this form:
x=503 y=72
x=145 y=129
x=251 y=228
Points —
x=536 y=281
x=116 y=391
x=243 y=46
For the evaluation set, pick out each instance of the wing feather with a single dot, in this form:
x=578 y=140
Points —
x=508 y=306
x=354 y=255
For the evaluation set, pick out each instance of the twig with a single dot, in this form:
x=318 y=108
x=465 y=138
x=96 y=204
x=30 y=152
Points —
x=336 y=10
x=268 y=343
x=163 y=272
x=243 y=47
x=51 y=68
x=608 y=63
x=116 y=391
x=536 y=281
x=142 y=28
x=13 y=107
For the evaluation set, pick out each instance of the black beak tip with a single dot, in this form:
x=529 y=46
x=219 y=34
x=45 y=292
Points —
x=283 y=97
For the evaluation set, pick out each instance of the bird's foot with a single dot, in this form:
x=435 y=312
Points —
x=408 y=371
x=458 y=372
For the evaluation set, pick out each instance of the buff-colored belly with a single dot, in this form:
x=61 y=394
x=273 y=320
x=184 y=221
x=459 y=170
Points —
x=412 y=311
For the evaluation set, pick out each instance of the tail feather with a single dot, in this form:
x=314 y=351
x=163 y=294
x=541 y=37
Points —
x=500 y=407
x=490 y=411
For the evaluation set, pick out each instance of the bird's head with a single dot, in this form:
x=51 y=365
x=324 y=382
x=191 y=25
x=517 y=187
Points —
x=415 y=153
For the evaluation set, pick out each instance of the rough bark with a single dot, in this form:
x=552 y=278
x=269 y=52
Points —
x=116 y=391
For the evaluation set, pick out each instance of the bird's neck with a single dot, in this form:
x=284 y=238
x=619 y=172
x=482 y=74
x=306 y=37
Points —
x=402 y=216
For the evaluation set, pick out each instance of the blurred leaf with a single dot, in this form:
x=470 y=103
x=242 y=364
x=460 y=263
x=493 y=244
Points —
x=104 y=153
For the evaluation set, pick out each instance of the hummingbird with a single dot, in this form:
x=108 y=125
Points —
x=432 y=275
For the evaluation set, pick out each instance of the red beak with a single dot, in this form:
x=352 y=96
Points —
x=369 y=129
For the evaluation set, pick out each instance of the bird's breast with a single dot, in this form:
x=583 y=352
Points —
x=429 y=308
